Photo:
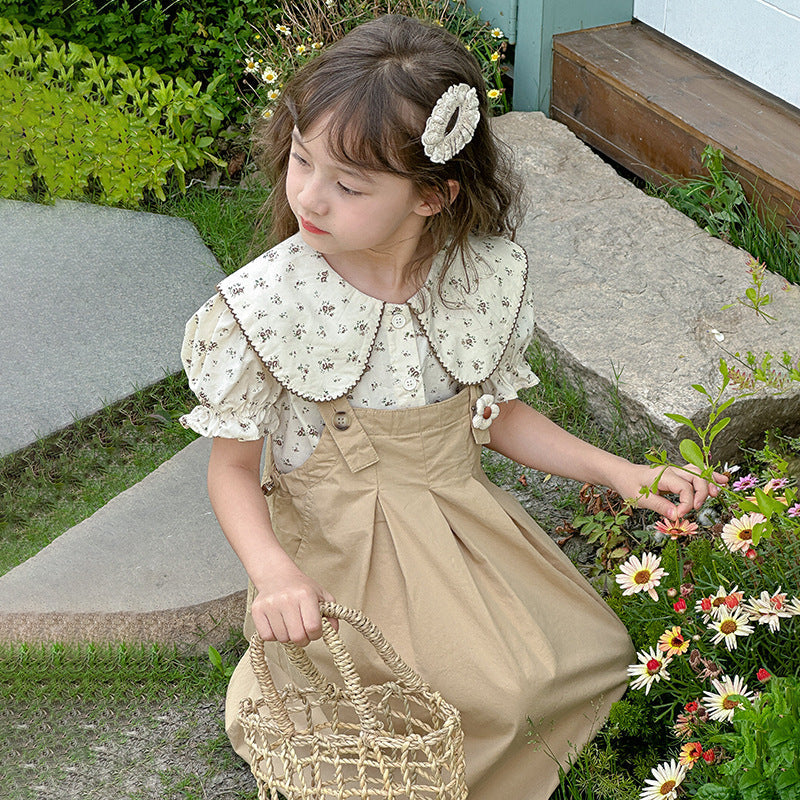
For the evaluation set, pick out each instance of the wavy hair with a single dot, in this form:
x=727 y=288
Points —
x=375 y=88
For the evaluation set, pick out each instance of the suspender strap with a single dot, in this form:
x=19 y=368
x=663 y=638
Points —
x=348 y=434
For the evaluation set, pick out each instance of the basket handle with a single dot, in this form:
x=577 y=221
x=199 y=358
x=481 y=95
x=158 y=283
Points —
x=344 y=663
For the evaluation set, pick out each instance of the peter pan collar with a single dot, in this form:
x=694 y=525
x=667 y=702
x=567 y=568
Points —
x=315 y=332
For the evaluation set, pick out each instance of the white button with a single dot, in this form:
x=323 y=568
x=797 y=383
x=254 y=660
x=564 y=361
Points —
x=410 y=383
x=398 y=320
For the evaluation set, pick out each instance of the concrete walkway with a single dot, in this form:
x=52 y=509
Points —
x=628 y=287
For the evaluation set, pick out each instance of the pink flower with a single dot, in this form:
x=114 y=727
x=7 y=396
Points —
x=794 y=511
x=679 y=605
x=680 y=527
x=747 y=482
x=738 y=533
x=763 y=675
x=643 y=575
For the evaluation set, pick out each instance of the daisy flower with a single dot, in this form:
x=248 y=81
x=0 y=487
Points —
x=493 y=94
x=673 y=642
x=768 y=610
x=728 y=626
x=251 y=66
x=749 y=481
x=650 y=669
x=494 y=57
x=267 y=113
x=722 y=600
x=497 y=33
x=794 y=511
x=300 y=49
x=691 y=753
x=775 y=483
x=680 y=527
x=269 y=75
x=282 y=29
x=664 y=783
x=641 y=575
x=722 y=702
x=738 y=533
x=317 y=46
x=273 y=94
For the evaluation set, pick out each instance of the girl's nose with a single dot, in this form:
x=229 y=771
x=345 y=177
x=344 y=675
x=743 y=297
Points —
x=312 y=197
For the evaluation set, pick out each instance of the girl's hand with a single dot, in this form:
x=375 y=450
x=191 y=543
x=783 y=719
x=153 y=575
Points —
x=691 y=489
x=288 y=609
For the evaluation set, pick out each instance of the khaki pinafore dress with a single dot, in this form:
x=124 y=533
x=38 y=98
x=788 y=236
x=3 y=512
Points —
x=393 y=514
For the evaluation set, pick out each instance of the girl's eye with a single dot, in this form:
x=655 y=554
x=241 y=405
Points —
x=351 y=192
x=299 y=158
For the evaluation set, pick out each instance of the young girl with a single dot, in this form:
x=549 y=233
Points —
x=378 y=347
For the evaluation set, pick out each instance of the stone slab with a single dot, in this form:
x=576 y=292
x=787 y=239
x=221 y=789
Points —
x=92 y=308
x=150 y=563
x=631 y=292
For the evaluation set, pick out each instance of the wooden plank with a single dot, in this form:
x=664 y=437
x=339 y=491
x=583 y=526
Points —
x=653 y=106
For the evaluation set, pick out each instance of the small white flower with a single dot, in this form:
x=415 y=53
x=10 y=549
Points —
x=251 y=66
x=650 y=669
x=273 y=94
x=641 y=575
x=720 y=704
x=486 y=410
x=462 y=100
x=664 y=783
x=282 y=29
x=720 y=337
x=269 y=75
x=496 y=33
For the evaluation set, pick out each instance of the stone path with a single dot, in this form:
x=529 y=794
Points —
x=628 y=287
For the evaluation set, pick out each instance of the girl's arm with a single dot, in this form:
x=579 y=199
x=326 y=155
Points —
x=528 y=437
x=286 y=607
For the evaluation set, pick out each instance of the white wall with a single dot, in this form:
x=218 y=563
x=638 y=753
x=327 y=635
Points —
x=759 y=40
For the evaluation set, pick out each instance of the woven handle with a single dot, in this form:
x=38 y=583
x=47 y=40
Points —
x=354 y=689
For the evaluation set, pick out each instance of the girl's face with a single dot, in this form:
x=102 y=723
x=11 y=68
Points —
x=344 y=211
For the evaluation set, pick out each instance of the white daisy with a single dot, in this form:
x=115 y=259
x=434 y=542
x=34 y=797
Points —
x=641 y=575
x=269 y=75
x=728 y=625
x=667 y=777
x=652 y=667
x=722 y=601
x=768 y=610
x=721 y=703
x=738 y=533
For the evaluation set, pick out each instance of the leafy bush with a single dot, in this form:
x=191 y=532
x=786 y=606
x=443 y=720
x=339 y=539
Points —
x=193 y=41
x=73 y=122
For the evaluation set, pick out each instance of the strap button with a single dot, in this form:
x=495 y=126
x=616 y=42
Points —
x=341 y=420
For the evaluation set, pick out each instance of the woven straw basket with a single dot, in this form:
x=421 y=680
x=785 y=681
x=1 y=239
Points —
x=396 y=741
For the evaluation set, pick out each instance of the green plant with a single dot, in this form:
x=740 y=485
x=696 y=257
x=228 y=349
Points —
x=763 y=747
x=719 y=204
x=73 y=122
x=193 y=41
x=299 y=30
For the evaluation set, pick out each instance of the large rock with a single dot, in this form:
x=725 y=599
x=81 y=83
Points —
x=631 y=293
x=93 y=306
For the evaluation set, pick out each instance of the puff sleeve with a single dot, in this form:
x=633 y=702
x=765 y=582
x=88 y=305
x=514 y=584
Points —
x=513 y=372
x=236 y=392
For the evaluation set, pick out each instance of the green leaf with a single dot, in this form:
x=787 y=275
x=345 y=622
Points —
x=717 y=428
x=683 y=420
x=692 y=453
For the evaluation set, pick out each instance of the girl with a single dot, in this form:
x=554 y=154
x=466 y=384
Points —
x=379 y=346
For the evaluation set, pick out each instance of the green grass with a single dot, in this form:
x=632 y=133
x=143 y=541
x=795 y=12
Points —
x=90 y=717
x=719 y=205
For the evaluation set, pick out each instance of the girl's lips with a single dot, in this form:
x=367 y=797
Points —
x=309 y=227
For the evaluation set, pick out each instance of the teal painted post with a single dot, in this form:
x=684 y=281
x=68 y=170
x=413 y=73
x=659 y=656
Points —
x=531 y=27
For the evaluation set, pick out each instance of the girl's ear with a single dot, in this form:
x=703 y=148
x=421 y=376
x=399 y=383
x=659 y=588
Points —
x=433 y=203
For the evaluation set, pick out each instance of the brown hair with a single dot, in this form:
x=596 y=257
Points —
x=377 y=87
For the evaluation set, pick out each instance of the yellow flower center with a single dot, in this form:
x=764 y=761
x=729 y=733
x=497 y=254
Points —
x=729 y=626
x=667 y=787
x=642 y=576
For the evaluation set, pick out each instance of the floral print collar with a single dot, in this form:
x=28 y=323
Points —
x=315 y=332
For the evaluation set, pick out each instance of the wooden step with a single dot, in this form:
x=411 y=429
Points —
x=652 y=105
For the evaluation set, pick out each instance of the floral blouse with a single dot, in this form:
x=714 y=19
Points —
x=286 y=331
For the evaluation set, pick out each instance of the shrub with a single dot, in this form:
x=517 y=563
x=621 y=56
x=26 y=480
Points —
x=73 y=122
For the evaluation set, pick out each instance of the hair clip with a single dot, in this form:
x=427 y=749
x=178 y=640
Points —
x=439 y=144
